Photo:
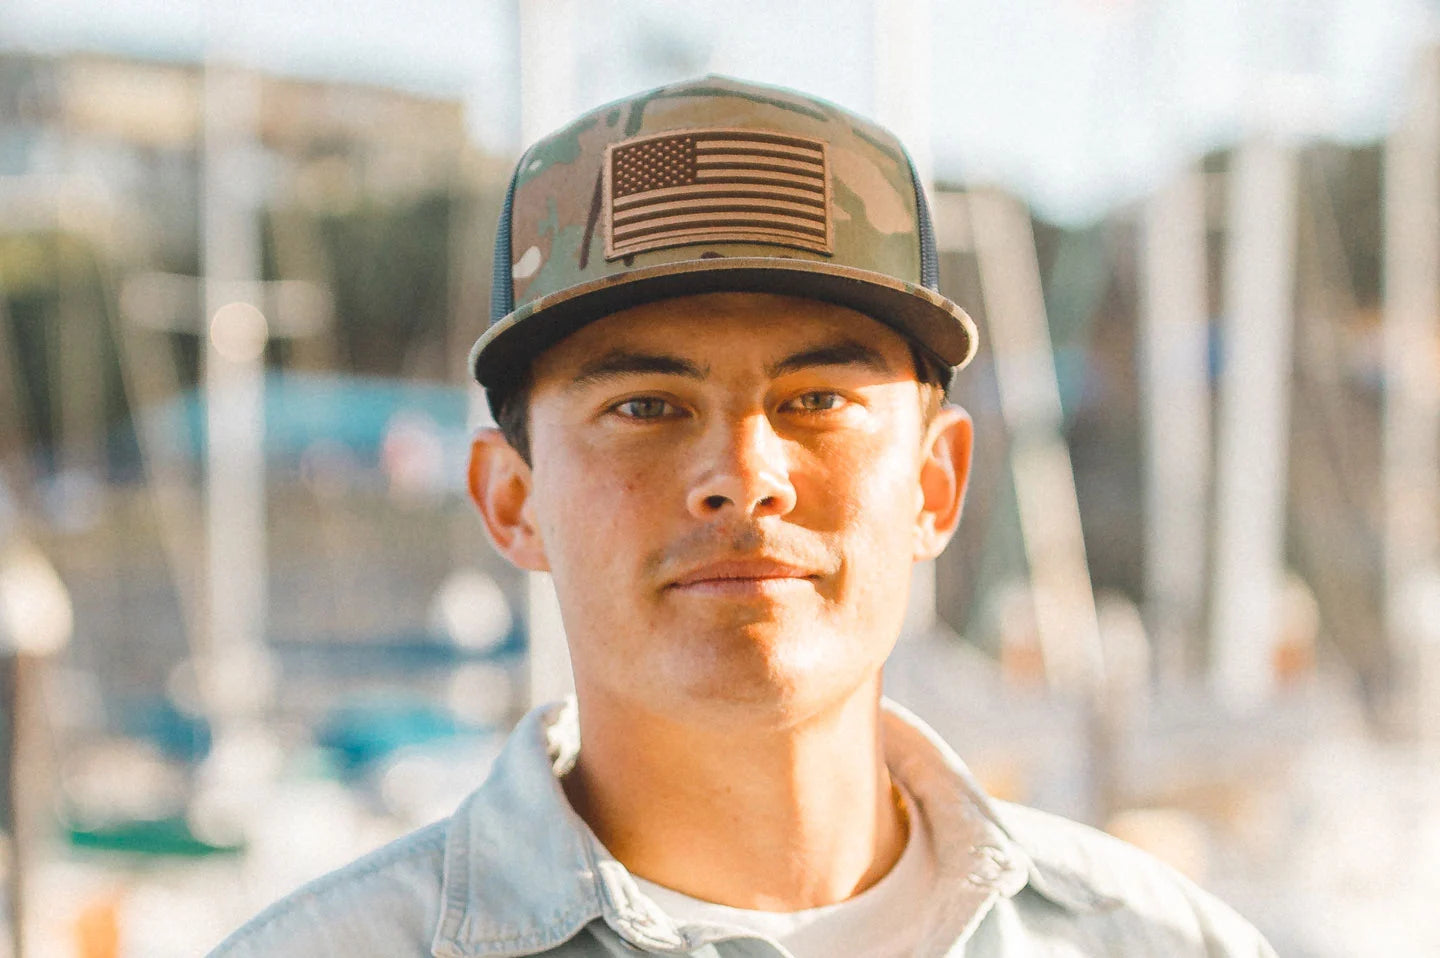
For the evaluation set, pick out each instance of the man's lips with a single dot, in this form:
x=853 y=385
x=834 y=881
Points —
x=742 y=575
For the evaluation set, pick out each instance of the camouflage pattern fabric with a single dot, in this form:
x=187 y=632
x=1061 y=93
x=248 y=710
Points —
x=869 y=243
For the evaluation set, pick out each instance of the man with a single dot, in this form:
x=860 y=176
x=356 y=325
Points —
x=718 y=363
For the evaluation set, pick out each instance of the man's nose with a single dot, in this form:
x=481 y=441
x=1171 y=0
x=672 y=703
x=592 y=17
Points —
x=743 y=467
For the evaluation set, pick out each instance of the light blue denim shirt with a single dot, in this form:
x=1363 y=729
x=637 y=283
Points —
x=516 y=872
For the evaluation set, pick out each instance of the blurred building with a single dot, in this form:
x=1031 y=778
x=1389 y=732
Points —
x=358 y=189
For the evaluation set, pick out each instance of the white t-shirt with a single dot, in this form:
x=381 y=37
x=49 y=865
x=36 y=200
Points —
x=883 y=921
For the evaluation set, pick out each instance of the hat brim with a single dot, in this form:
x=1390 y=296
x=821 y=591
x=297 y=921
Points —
x=932 y=320
x=923 y=314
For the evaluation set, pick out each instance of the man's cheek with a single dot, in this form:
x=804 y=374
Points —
x=604 y=516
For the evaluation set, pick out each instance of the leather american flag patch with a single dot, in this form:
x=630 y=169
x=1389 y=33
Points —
x=716 y=186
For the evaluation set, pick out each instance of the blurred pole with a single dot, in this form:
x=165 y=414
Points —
x=81 y=370
x=951 y=214
x=231 y=668
x=1254 y=422
x=1175 y=358
x=149 y=378
x=1412 y=393
x=37 y=620
x=151 y=303
x=548 y=100
x=15 y=474
x=11 y=696
x=548 y=81
x=16 y=674
x=470 y=248
x=1044 y=478
x=903 y=80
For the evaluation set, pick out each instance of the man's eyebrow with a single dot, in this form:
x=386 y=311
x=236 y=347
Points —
x=846 y=352
x=617 y=363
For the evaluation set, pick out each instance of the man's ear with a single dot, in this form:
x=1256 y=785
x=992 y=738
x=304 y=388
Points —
x=500 y=485
x=944 y=474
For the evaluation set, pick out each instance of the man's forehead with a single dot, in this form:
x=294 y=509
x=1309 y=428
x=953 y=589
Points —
x=780 y=332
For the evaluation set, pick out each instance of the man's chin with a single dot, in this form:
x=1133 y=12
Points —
x=757 y=666
x=741 y=707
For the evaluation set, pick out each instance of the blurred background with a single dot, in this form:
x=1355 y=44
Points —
x=250 y=627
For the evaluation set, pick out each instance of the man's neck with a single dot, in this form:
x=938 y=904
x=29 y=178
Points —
x=773 y=818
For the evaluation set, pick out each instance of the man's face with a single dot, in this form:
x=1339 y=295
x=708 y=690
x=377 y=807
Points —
x=730 y=491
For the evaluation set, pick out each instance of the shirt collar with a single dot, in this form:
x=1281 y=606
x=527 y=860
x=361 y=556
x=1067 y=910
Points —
x=946 y=790
x=523 y=873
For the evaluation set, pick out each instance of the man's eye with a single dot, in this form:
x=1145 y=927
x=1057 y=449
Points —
x=817 y=401
x=645 y=407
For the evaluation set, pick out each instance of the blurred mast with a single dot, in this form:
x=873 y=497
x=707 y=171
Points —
x=16 y=481
x=547 y=101
x=80 y=372
x=903 y=81
x=547 y=58
x=230 y=664
x=904 y=78
x=1254 y=421
x=1174 y=336
x=15 y=812
x=12 y=799
x=1412 y=395
x=37 y=620
x=1044 y=476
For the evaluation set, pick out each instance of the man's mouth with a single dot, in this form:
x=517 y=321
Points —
x=755 y=576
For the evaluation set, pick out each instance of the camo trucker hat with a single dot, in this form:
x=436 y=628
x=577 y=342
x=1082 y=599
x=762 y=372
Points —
x=712 y=185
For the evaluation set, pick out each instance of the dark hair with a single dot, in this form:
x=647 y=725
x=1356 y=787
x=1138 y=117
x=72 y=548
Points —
x=510 y=401
x=934 y=376
x=510 y=404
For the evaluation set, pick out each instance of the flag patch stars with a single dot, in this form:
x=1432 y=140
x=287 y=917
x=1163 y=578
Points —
x=716 y=186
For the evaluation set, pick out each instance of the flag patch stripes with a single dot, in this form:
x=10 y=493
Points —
x=716 y=186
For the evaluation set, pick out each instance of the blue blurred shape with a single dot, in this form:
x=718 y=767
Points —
x=304 y=408
x=180 y=736
x=367 y=731
x=410 y=653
